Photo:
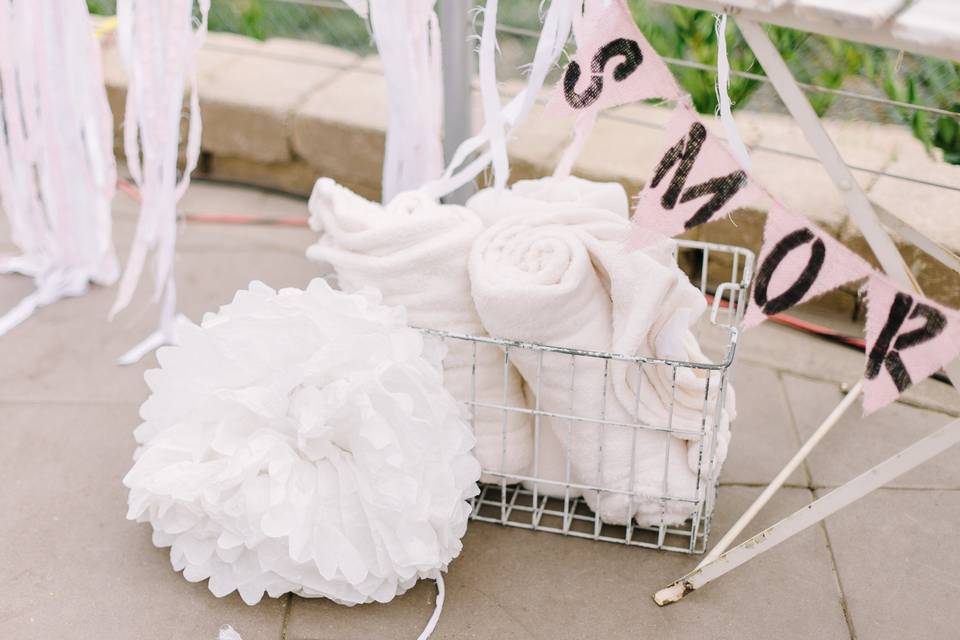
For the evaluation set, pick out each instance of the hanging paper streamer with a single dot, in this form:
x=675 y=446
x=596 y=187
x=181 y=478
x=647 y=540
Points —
x=553 y=37
x=408 y=38
x=158 y=47
x=909 y=337
x=490 y=96
x=57 y=172
x=797 y=262
x=724 y=104
x=614 y=64
x=695 y=181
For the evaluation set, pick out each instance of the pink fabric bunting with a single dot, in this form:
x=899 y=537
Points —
x=909 y=337
x=797 y=262
x=695 y=181
x=614 y=64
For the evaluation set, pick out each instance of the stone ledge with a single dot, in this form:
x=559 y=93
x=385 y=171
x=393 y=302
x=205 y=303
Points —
x=281 y=113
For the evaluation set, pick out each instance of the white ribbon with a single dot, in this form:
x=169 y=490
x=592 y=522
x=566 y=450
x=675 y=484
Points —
x=490 y=96
x=553 y=38
x=407 y=33
x=158 y=47
x=228 y=633
x=724 y=105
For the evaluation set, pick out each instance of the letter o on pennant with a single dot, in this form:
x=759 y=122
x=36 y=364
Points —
x=801 y=286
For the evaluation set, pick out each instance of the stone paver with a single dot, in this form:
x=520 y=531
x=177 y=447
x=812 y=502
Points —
x=764 y=437
x=897 y=556
x=74 y=336
x=71 y=566
x=856 y=443
x=511 y=583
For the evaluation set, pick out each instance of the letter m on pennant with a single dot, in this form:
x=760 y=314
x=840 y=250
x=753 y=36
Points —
x=695 y=181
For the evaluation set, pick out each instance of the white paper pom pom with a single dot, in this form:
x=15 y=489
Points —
x=303 y=441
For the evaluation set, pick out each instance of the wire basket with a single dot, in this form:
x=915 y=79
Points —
x=516 y=500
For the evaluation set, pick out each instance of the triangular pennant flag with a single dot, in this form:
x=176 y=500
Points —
x=614 y=64
x=909 y=337
x=696 y=180
x=797 y=262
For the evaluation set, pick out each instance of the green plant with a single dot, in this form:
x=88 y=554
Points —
x=97 y=7
x=687 y=34
x=917 y=80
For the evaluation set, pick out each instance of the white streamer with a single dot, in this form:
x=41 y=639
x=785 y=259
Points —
x=407 y=33
x=158 y=48
x=57 y=172
x=724 y=106
x=228 y=633
x=553 y=38
x=490 y=96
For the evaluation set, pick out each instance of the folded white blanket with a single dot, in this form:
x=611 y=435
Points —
x=564 y=278
x=414 y=251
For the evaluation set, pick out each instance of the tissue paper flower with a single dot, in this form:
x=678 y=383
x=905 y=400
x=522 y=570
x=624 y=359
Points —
x=302 y=441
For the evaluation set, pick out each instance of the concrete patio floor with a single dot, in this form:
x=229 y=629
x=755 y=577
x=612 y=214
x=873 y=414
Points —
x=72 y=567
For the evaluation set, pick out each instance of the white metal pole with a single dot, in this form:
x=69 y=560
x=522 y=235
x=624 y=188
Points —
x=777 y=482
x=457 y=82
x=860 y=207
x=816 y=511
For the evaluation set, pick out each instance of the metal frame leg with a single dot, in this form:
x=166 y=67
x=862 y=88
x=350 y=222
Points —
x=813 y=513
x=457 y=78
x=717 y=563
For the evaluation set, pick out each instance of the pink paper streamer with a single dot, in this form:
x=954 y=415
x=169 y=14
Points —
x=696 y=180
x=57 y=172
x=614 y=64
x=909 y=337
x=797 y=262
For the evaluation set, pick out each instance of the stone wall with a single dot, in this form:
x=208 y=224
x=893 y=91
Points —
x=282 y=113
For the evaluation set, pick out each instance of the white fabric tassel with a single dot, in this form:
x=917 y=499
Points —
x=57 y=172
x=490 y=96
x=158 y=47
x=724 y=105
x=407 y=33
x=553 y=37
x=228 y=633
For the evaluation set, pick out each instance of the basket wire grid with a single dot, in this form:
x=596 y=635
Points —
x=516 y=500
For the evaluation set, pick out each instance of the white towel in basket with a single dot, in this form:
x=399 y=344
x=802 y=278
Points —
x=549 y=194
x=414 y=251
x=564 y=278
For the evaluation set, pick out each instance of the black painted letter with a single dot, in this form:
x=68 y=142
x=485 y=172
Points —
x=685 y=152
x=882 y=355
x=633 y=58
x=798 y=289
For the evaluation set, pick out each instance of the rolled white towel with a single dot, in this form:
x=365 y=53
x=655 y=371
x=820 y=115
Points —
x=414 y=251
x=550 y=195
x=639 y=328
x=546 y=277
x=653 y=312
